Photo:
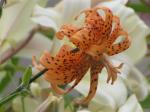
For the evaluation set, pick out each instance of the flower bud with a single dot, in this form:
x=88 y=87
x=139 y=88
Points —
x=35 y=89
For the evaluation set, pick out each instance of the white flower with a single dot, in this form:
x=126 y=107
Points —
x=133 y=78
x=35 y=89
x=29 y=103
x=33 y=48
x=95 y=2
x=84 y=110
x=11 y=2
x=131 y=105
x=108 y=97
x=15 y=24
x=51 y=104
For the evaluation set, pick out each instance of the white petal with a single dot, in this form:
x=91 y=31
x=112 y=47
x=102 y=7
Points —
x=134 y=26
x=11 y=2
x=73 y=7
x=15 y=24
x=30 y=104
x=47 y=12
x=131 y=105
x=36 y=46
x=134 y=79
x=40 y=11
x=95 y=2
x=137 y=83
x=35 y=89
x=84 y=110
x=121 y=1
x=15 y=21
x=107 y=96
x=45 y=22
x=51 y=104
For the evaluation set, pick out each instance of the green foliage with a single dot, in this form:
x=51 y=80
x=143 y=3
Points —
x=7 y=71
x=2 y=109
x=146 y=103
x=26 y=77
x=139 y=7
x=144 y=2
x=15 y=60
x=5 y=81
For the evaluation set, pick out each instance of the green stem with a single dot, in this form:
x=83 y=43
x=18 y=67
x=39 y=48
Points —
x=22 y=101
x=37 y=75
x=8 y=98
x=20 y=88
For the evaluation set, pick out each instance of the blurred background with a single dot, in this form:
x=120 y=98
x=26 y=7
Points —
x=130 y=93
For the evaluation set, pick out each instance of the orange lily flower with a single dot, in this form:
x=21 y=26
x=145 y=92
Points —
x=95 y=41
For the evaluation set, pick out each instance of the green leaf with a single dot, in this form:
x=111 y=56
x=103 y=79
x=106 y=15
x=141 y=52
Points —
x=10 y=68
x=144 y=2
x=139 y=7
x=15 y=60
x=2 y=109
x=5 y=79
x=26 y=77
x=146 y=103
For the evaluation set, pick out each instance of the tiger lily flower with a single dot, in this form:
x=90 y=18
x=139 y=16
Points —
x=74 y=66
